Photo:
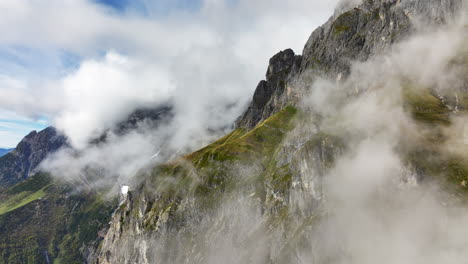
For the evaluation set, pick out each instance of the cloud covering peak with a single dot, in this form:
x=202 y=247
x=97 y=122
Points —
x=206 y=59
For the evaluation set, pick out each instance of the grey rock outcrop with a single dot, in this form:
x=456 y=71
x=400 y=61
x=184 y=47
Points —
x=371 y=28
x=151 y=116
x=351 y=35
x=271 y=94
x=28 y=154
x=144 y=117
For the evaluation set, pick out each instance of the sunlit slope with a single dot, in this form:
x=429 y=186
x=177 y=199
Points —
x=43 y=221
x=182 y=200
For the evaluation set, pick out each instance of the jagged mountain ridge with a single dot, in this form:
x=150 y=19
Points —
x=279 y=166
x=20 y=163
x=17 y=165
x=46 y=220
x=348 y=36
x=273 y=157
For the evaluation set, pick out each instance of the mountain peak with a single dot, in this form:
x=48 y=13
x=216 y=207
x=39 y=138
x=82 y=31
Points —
x=28 y=154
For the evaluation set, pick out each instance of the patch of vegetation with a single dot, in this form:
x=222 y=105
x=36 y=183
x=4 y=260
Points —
x=207 y=173
x=341 y=28
x=425 y=107
x=43 y=221
x=20 y=200
x=343 y=23
x=39 y=181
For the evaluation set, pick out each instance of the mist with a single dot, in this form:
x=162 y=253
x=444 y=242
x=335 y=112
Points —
x=197 y=63
x=372 y=205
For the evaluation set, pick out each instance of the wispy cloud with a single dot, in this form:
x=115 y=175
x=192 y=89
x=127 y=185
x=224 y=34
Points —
x=57 y=58
x=13 y=128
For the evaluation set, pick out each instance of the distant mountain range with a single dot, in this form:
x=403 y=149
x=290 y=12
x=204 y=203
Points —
x=4 y=151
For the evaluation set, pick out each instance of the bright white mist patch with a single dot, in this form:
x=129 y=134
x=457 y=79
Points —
x=124 y=190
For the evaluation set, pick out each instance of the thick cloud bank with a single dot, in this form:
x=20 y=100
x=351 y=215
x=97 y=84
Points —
x=207 y=59
x=203 y=62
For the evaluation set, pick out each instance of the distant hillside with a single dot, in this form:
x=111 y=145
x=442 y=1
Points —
x=17 y=165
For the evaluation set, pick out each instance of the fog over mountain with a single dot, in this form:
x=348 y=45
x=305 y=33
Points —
x=170 y=148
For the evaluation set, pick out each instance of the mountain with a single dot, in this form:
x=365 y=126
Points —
x=43 y=220
x=4 y=151
x=144 y=117
x=47 y=220
x=352 y=152
x=17 y=165
x=300 y=181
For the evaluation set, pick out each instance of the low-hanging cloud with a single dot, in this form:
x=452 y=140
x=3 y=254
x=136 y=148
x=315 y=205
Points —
x=204 y=64
x=102 y=93
x=207 y=59
x=374 y=207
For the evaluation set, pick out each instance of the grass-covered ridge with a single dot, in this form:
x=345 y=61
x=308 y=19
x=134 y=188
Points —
x=210 y=172
x=24 y=193
x=260 y=141
x=20 y=200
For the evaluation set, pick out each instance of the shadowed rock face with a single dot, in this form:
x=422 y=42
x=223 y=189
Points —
x=146 y=117
x=17 y=165
x=268 y=95
x=151 y=116
x=353 y=34
x=30 y=152
x=371 y=28
x=291 y=179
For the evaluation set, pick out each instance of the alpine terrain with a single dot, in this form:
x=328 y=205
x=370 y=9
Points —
x=354 y=151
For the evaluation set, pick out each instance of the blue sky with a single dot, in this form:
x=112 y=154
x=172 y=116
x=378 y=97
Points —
x=37 y=63
x=151 y=7
x=13 y=128
x=83 y=65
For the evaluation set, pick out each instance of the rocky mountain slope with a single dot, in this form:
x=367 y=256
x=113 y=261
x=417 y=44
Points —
x=348 y=36
x=17 y=165
x=21 y=162
x=345 y=155
x=299 y=181
x=47 y=220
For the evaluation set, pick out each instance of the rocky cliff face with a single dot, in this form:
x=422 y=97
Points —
x=352 y=34
x=257 y=195
x=30 y=152
x=45 y=220
x=371 y=28
x=272 y=94
x=151 y=116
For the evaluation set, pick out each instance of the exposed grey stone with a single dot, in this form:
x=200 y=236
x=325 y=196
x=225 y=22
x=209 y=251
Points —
x=269 y=94
x=30 y=152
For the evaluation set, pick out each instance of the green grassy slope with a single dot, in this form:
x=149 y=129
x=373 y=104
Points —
x=207 y=174
x=43 y=221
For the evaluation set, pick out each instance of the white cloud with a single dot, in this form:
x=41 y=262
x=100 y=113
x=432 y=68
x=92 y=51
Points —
x=9 y=139
x=101 y=93
x=14 y=127
x=206 y=59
